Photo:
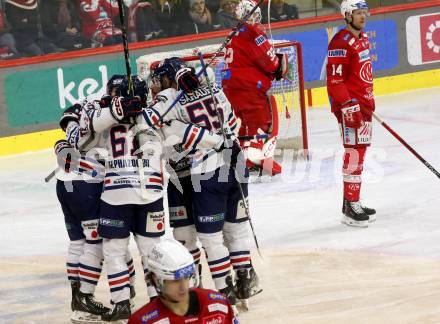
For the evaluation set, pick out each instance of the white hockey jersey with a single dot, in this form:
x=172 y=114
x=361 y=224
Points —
x=87 y=164
x=197 y=108
x=130 y=179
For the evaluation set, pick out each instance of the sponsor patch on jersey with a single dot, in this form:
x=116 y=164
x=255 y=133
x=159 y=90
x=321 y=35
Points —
x=211 y=218
x=190 y=320
x=364 y=133
x=214 y=296
x=155 y=222
x=241 y=209
x=260 y=40
x=111 y=222
x=150 y=316
x=364 y=55
x=217 y=307
x=214 y=319
x=161 y=98
x=351 y=41
x=346 y=37
x=90 y=229
x=349 y=136
x=337 y=53
x=178 y=213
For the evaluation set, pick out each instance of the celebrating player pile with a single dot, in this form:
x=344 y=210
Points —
x=350 y=89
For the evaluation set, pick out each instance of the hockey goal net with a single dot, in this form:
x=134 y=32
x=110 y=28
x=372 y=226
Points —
x=288 y=93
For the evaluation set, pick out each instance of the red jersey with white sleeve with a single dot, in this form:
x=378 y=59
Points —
x=210 y=307
x=349 y=71
x=250 y=61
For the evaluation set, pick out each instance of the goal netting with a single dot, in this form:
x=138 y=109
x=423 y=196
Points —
x=288 y=93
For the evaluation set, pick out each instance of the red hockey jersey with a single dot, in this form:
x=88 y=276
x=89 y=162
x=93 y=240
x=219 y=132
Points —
x=250 y=61
x=92 y=13
x=213 y=309
x=349 y=71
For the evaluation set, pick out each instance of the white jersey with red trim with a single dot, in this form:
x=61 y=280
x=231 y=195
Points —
x=88 y=163
x=197 y=108
x=123 y=141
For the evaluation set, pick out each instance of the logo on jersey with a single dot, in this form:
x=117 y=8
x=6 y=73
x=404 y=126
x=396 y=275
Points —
x=214 y=296
x=217 y=307
x=366 y=72
x=155 y=222
x=214 y=319
x=260 y=40
x=211 y=218
x=111 y=222
x=177 y=213
x=149 y=316
x=364 y=55
x=337 y=53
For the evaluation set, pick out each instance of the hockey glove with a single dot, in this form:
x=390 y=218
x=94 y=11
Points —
x=66 y=155
x=187 y=80
x=70 y=114
x=283 y=67
x=231 y=153
x=122 y=107
x=351 y=113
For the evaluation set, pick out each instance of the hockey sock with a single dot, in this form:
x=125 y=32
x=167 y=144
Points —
x=90 y=267
x=352 y=171
x=115 y=251
x=237 y=240
x=74 y=252
x=218 y=257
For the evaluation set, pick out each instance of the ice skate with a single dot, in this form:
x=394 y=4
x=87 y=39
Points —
x=229 y=293
x=120 y=313
x=243 y=287
x=371 y=212
x=86 y=309
x=354 y=215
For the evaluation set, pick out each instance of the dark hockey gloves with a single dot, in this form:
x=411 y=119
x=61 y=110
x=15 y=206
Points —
x=187 y=80
x=70 y=114
x=231 y=152
x=122 y=107
x=351 y=113
x=283 y=67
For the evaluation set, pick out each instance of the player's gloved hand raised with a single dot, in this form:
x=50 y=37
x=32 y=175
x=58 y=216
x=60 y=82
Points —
x=187 y=80
x=351 y=113
x=283 y=67
x=122 y=107
x=70 y=114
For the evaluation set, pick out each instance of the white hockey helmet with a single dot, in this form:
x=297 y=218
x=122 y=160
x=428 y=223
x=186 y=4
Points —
x=348 y=6
x=170 y=260
x=244 y=7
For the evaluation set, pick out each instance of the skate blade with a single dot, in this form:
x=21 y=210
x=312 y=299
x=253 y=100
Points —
x=255 y=291
x=372 y=218
x=244 y=304
x=351 y=222
x=83 y=317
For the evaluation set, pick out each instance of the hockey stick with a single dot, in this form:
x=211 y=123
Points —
x=404 y=143
x=225 y=137
x=234 y=31
x=140 y=160
x=50 y=175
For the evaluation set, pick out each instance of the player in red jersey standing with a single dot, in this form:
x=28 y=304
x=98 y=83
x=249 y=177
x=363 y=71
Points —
x=250 y=66
x=350 y=90
x=172 y=268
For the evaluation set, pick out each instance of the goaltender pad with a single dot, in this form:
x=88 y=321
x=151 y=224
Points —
x=288 y=93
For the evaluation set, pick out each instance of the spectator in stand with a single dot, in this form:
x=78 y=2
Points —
x=62 y=24
x=280 y=11
x=170 y=13
x=225 y=18
x=143 y=23
x=8 y=49
x=23 y=17
x=198 y=20
x=98 y=18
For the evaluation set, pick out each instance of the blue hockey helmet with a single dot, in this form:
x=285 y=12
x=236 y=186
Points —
x=169 y=67
x=114 y=83
x=140 y=88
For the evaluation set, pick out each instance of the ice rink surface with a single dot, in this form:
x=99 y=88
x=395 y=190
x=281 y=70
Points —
x=313 y=270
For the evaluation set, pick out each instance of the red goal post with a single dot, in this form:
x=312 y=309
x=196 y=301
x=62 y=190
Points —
x=289 y=93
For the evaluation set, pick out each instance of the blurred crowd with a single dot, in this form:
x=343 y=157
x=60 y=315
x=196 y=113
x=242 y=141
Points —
x=38 y=27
